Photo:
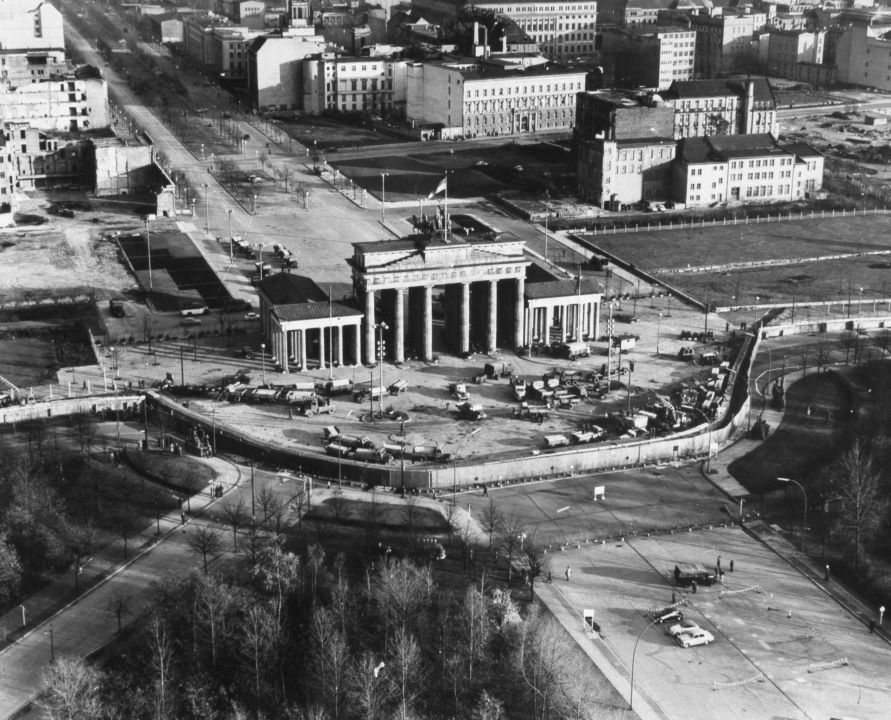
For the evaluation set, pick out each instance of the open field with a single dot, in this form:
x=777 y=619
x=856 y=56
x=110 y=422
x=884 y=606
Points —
x=476 y=170
x=792 y=246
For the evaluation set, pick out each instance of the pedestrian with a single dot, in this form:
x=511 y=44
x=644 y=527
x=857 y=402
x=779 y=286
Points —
x=826 y=574
x=549 y=575
x=731 y=566
x=872 y=626
x=674 y=598
x=182 y=518
x=568 y=574
x=718 y=564
x=485 y=491
x=693 y=586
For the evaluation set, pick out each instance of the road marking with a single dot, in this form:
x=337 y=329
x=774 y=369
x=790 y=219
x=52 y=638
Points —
x=563 y=509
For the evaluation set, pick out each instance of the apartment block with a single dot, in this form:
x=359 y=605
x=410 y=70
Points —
x=353 y=84
x=562 y=28
x=723 y=107
x=862 y=59
x=72 y=102
x=28 y=25
x=725 y=43
x=624 y=148
x=44 y=159
x=744 y=168
x=275 y=69
x=787 y=47
x=480 y=97
x=648 y=56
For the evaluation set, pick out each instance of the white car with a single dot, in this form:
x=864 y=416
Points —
x=251 y=316
x=696 y=637
x=685 y=626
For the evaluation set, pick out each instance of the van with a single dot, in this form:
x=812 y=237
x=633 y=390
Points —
x=687 y=573
x=552 y=441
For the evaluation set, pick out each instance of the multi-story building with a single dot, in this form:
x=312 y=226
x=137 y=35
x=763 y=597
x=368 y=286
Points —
x=863 y=59
x=72 y=102
x=562 y=28
x=29 y=25
x=725 y=43
x=478 y=97
x=216 y=46
x=744 y=168
x=723 y=107
x=624 y=148
x=8 y=181
x=787 y=47
x=629 y=13
x=50 y=158
x=275 y=70
x=648 y=56
x=353 y=84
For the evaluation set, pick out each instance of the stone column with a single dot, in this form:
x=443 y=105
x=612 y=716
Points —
x=370 y=356
x=464 y=318
x=519 y=330
x=399 y=326
x=595 y=332
x=358 y=347
x=564 y=319
x=283 y=350
x=428 y=323
x=339 y=346
x=303 y=362
x=492 y=338
x=322 y=356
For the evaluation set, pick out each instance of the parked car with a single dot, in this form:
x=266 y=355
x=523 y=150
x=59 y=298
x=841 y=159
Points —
x=696 y=637
x=682 y=627
x=251 y=316
x=189 y=321
x=667 y=615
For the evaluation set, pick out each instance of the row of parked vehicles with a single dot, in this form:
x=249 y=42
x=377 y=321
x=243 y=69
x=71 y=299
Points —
x=361 y=447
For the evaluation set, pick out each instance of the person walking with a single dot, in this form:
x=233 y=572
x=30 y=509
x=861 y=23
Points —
x=731 y=566
x=568 y=573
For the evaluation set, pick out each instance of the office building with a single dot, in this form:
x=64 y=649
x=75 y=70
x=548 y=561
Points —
x=726 y=43
x=648 y=56
x=353 y=84
x=723 y=107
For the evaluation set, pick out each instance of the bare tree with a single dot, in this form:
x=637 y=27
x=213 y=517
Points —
x=511 y=540
x=534 y=563
x=205 y=541
x=73 y=690
x=822 y=355
x=236 y=515
x=364 y=685
x=411 y=514
x=883 y=340
x=804 y=356
x=405 y=656
x=259 y=630
x=330 y=662
x=858 y=508
x=266 y=499
x=161 y=645
x=119 y=603
x=81 y=540
x=84 y=426
x=848 y=340
x=316 y=563
x=491 y=519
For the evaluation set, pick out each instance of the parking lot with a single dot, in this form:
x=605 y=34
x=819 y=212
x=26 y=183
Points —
x=783 y=647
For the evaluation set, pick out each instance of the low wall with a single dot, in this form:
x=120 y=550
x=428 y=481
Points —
x=67 y=406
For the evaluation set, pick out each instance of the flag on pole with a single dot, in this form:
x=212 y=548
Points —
x=443 y=185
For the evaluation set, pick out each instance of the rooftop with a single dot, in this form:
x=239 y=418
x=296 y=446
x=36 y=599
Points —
x=724 y=147
x=689 y=89
x=562 y=288
x=435 y=242
x=284 y=288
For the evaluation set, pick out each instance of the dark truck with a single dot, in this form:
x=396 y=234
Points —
x=686 y=574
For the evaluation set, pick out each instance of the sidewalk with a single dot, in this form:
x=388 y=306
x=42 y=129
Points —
x=60 y=622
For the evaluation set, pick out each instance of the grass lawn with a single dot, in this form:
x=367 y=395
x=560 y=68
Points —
x=179 y=472
x=788 y=243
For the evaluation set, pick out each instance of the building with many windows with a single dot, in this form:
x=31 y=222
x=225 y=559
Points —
x=723 y=107
x=353 y=84
x=725 y=43
x=275 y=70
x=563 y=29
x=863 y=59
x=71 y=102
x=30 y=25
x=648 y=56
x=744 y=168
x=476 y=97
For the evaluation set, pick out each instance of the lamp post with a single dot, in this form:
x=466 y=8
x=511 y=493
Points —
x=633 y=656
x=380 y=327
x=260 y=258
x=52 y=644
x=658 y=333
x=213 y=422
x=547 y=215
x=263 y=360
x=804 y=498
x=254 y=206
x=857 y=330
x=231 y=250
x=383 y=196
x=148 y=251
x=206 y=208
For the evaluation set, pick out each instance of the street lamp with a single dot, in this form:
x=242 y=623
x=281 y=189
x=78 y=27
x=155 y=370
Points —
x=263 y=360
x=380 y=327
x=658 y=334
x=857 y=331
x=383 y=196
x=804 y=498
x=231 y=251
x=254 y=208
x=633 y=655
x=206 y=208
x=148 y=251
x=547 y=214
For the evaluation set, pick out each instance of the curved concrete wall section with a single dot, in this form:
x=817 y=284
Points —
x=68 y=406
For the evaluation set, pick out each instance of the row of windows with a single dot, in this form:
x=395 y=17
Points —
x=496 y=105
x=526 y=90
